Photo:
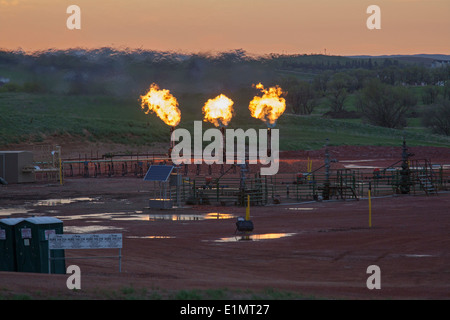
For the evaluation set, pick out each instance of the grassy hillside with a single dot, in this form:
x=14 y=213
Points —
x=95 y=95
x=33 y=117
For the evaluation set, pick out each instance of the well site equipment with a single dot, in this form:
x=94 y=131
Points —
x=342 y=184
x=162 y=178
x=227 y=184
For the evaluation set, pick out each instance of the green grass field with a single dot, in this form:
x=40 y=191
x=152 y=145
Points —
x=26 y=117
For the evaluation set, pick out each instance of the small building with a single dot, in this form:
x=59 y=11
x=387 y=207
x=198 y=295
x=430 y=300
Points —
x=17 y=166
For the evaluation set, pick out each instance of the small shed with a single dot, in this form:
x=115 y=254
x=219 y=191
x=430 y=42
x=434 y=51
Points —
x=17 y=166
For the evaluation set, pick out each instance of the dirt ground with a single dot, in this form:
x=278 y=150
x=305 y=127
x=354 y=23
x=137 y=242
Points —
x=318 y=249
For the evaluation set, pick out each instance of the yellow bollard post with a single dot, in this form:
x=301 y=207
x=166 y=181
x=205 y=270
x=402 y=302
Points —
x=370 y=207
x=247 y=210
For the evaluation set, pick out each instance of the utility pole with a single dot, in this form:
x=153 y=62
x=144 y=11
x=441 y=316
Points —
x=326 y=187
x=405 y=181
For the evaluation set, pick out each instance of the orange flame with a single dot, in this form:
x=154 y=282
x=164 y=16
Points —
x=270 y=106
x=163 y=104
x=218 y=111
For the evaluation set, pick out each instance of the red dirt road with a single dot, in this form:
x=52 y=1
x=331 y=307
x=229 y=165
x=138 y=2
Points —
x=326 y=252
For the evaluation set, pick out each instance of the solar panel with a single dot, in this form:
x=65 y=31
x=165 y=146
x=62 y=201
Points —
x=158 y=173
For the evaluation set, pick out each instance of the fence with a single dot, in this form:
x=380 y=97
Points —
x=289 y=187
x=228 y=184
x=112 y=165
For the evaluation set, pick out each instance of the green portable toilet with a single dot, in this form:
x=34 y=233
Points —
x=32 y=245
x=8 y=260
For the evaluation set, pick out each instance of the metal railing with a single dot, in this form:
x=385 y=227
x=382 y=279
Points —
x=227 y=184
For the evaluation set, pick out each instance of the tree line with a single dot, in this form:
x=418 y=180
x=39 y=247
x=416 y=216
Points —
x=383 y=97
x=382 y=91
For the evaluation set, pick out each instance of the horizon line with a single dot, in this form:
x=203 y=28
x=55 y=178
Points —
x=215 y=52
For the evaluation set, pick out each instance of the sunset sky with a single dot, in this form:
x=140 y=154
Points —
x=257 y=26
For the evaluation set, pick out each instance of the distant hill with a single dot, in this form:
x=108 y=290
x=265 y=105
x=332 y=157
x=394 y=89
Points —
x=426 y=56
x=425 y=59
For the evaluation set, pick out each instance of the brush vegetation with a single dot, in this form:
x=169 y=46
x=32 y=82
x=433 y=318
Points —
x=95 y=95
x=131 y=292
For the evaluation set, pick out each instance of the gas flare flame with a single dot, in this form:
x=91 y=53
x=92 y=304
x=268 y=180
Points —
x=163 y=103
x=270 y=106
x=218 y=111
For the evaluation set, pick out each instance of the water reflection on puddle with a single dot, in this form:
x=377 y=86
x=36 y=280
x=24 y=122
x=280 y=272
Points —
x=255 y=237
x=43 y=203
x=188 y=217
x=150 y=237
x=88 y=229
x=56 y=202
x=11 y=211
x=104 y=216
x=139 y=216
x=418 y=255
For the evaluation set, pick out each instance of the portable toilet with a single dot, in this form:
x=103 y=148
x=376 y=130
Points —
x=8 y=260
x=32 y=245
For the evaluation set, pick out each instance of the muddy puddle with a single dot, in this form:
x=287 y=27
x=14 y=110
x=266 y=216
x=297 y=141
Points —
x=255 y=237
x=57 y=208
x=150 y=237
x=30 y=206
x=138 y=215
x=7 y=212
x=89 y=229
x=301 y=209
x=58 y=202
x=190 y=217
